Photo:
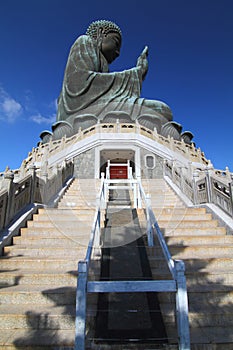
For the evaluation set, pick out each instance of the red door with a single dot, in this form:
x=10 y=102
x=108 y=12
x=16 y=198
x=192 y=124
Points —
x=118 y=172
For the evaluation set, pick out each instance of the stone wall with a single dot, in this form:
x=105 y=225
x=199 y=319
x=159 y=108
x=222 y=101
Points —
x=151 y=165
x=84 y=165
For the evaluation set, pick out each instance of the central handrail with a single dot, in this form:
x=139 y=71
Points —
x=177 y=268
x=153 y=225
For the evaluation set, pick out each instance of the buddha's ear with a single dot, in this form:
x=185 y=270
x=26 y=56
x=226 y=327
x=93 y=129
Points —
x=100 y=32
x=100 y=36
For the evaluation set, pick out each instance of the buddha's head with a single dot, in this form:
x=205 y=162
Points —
x=108 y=36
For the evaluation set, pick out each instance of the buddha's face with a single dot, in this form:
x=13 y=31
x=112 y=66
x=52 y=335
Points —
x=111 y=45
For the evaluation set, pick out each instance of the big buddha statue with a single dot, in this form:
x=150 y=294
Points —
x=91 y=93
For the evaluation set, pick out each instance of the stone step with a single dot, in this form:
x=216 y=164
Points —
x=203 y=231
x=41 y=316
x=69 y=212
x=59 y=212
x=39 y=294
x=22 y=276
x=66 y=217
x=78 y=225
x=75 y=197
x=130 y=346
x=187 y=223
x=56 y=242
x=203 y=279
x=55 y=232
x=210 y=337
x=210 y=316
x=213 y=277
x=202 y=297
x=24 y=339
x=77 y=252
x=177 y=211
x=27 y=263
x=207 y=251
x=185 y=216
x=164 y=201
x=199 y=240
x=211 y=265
x=75 y=205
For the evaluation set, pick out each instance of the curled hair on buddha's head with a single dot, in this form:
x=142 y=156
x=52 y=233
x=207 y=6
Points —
x=106 y=26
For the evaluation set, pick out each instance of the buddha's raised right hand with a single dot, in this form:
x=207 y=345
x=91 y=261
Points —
x=142 y=62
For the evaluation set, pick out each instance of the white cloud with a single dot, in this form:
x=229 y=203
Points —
x=10 y=109
x=39 y=119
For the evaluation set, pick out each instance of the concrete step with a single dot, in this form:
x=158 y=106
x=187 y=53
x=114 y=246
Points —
x=41 y=316
x=38 y=294
x=213 y=279
x=25 y=339
x=203 y=231
x=55 y=232
x=187 y=223
x=210 y=337
x=209 y=317
x=60 y=224
x=68 y=217
x=55 y=242
x=77 y=252
x=39 y=264
x=29 y=277
x=75 y=197
x=185 y=216
x=178 y=211
x=59 y=212
x=199 y=240
x=184 y=252
x=202 y=297
x=131 y=346
x=211 y=265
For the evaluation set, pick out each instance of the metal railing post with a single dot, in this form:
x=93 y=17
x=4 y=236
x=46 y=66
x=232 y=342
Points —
x=135 y=195
x=149 y=225
x=208 y=185
x=81 y=296
x=182 y=307
x=139 y=197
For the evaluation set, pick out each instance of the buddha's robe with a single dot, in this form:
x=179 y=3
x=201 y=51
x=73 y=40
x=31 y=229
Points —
x=89 y=87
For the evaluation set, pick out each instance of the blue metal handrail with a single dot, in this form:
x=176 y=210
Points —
x=177 y=268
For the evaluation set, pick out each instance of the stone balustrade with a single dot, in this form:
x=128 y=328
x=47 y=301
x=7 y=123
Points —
x=206 y=185
x=39 y=185
x=45 y=150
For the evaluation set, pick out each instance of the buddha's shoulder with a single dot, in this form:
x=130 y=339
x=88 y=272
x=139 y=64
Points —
x=83 y=39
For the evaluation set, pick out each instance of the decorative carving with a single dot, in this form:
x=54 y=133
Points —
x=187 y=137
x=61 y=129
x=84 y=122
x=113 y=116
x=150 y=122
x=171 y=129
x=46 y=136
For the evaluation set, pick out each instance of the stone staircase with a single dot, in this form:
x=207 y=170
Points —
x=38 y=273
x=193 y=236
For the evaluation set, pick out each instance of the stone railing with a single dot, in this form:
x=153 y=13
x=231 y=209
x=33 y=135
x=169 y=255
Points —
x=206 y=185
x=51 y=148
x=37 y=186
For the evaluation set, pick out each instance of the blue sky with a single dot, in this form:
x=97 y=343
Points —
x=190 y=65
